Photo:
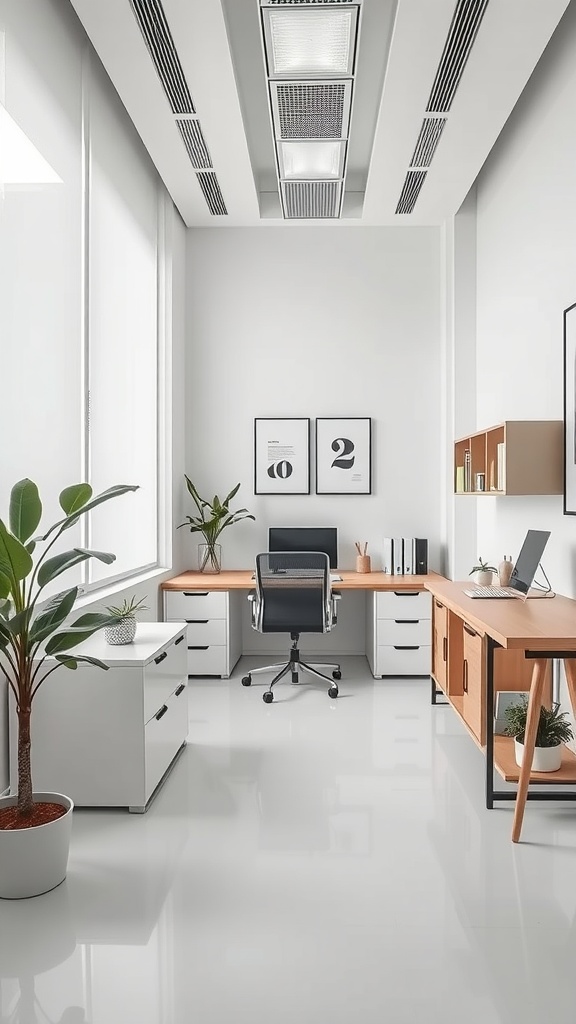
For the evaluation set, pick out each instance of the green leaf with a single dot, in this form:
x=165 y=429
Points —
x=111 y=492
x=30 y=547
x=58 y=564
x=5 y=608
x=15 y=562
x=68 y=639
x=53 y=615
x=73 y=498
x=94 y=620
x=5 y=588
x=25 y=509
x=70 y=661
x=232 y=494
x=18 y=623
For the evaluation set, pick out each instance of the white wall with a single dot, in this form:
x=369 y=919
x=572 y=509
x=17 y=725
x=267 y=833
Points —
x=526 y=253
x=317 y=322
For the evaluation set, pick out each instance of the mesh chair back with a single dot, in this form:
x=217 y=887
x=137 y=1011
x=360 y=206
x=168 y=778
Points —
x=293 y=591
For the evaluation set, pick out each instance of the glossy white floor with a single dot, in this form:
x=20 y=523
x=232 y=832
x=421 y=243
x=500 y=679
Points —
x=306 y=861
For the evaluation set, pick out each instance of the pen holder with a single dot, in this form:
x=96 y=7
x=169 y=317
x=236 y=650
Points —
x=362 y=563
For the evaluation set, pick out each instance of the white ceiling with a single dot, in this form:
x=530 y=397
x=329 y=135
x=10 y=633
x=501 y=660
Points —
x=219 y=47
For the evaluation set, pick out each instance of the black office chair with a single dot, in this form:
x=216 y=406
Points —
x=293 y=595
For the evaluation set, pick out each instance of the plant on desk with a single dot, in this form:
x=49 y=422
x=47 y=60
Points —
x=484 y=577
x=213 y=517
x=553 y=731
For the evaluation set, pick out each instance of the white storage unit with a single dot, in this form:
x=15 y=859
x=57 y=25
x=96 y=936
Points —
x=399 y=633
x=107 y=738
x=213 y=628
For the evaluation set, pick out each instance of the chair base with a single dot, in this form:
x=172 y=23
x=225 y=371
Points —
x=295 y=666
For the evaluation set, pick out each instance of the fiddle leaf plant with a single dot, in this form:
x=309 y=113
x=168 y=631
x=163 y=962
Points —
x=213 y=517
x=34 y=642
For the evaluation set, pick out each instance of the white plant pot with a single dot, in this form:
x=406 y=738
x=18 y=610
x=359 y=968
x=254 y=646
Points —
x=546 y=759
x=484 y=579
x=123 y=633
x=34 y=860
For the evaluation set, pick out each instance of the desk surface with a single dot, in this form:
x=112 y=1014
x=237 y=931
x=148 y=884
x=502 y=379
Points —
x=542 y=624
x=241 y=579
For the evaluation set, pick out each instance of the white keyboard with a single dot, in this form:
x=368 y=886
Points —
x=335 y=578
x=491 y=592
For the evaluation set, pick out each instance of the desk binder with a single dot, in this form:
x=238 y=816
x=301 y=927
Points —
x=397 y=556
x=420 y=556
x=408 y=556
x=387 y=560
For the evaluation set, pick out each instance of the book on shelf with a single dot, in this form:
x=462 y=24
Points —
x=501 y=466
x=467 y=470
x=459 y=479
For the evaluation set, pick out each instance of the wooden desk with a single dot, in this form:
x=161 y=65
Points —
x=483 y=646
x=242 y=579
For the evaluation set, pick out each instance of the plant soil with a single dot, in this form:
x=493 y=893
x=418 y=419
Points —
x=42 y=813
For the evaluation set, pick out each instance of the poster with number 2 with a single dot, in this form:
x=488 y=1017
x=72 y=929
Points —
x=343 y=455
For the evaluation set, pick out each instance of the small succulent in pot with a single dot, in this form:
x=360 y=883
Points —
x=124 y=630
x=484 y=571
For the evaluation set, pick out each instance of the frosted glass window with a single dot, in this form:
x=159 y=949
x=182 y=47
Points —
x=123 y=333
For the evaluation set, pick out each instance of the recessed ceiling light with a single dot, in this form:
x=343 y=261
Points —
x=312 y=42
x=311 y=160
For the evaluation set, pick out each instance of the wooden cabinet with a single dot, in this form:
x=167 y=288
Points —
x=440 y=643
x=473 y=683
x=213 y=628
x=515 y=457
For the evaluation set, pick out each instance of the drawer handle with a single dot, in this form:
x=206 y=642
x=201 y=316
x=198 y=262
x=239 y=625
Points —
x=397 y=647
x=160 y=714
x=465 y=676
x=180 y=690
x=161 y=657
x=469 y=630
x=406 y=593
x=445 y=648
x=197 y=622
x=195 y=593
x=438 y=605
x=179 y=640
x=407 y=622
x=199 y=648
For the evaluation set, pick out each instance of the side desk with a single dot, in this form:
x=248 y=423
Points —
x=481 y=646
x=398 y=619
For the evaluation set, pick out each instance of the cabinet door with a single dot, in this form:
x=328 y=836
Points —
x=439 y=643
x=474 y=690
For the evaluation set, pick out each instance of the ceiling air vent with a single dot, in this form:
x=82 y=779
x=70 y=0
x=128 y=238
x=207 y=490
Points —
x=195 y=143
x=311 y=199
x=311 y=110
x=461 y=36
x=295 y=3
x=154 y=27
x=428 y=139
x=410 y=191
x=211 y=189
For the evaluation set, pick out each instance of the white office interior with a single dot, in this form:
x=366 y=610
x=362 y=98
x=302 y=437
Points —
x=142 y=345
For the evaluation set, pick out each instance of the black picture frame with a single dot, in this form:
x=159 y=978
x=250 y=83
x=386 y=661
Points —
x=282 y=455
x=344 y=455
x=569 y=389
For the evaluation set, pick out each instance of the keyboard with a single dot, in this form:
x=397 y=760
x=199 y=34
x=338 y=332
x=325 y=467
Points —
x=335 y=578
x=492 y=592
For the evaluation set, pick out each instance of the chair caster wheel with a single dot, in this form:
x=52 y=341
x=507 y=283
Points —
x=333 y=691
x=268 y=697
x=294 y=677
x=336 y=674
x=246 y=680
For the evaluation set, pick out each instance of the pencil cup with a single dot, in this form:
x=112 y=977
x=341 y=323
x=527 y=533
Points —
x=362 y=563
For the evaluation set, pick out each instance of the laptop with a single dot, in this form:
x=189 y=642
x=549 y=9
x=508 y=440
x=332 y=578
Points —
x=523 y=572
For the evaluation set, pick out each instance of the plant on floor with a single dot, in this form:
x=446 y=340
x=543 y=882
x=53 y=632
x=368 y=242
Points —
x=482 y=567
x=553 y=727
x=213 y=517
x=29 y=634
x=124 y=629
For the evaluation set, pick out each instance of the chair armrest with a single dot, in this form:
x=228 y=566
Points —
x=252 y=597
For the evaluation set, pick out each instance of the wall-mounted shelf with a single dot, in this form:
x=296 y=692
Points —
x=516 y=457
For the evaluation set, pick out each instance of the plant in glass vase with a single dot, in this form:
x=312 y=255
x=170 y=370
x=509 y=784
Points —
x=213 y=517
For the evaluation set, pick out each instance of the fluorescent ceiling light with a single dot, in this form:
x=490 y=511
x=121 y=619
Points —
x=20 y=161
x=311 y=160
x=315 y=42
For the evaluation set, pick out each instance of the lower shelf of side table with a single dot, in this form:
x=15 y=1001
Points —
x=505 y=765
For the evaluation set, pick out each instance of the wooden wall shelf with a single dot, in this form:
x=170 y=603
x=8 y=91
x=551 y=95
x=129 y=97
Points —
x=531 y=461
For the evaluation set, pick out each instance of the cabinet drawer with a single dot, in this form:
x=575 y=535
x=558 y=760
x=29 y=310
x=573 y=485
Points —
x=440 y=615
x=398 y=604
x=163 y=674
x=164 y=735
x=474 y=692
x=393 y=661
x=196 y=604
x=206 y=632
x=404 y=631
x=210 y=660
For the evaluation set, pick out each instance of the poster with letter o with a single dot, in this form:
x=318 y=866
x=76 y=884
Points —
x=282 y=455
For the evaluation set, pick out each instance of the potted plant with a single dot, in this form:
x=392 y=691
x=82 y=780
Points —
x=123 y=630
x=484 y=571
x=34 y=826
x=213 y=517
x=553 y=731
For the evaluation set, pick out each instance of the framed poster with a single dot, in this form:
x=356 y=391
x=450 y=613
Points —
x=570 y=411
x=282 y=456
x=343 y=455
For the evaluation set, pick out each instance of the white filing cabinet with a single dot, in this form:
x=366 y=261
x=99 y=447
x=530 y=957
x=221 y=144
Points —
x=213 y=628
x=106 y=738
x=399 y=633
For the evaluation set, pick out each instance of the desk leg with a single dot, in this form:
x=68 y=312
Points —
x=570 y=670
x=534 y=705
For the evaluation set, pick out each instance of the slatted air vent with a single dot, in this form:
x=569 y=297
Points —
x=195 y=143
x=154 y=27
x=410 y=191
x=296 y=3
x=312 y=110
x=311 y=199
x=461 y=36
x=211 y=189
x=430 y=132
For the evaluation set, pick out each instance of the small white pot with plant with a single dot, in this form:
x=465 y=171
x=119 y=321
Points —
x=213 y=517
x=553 y=731
x=123 y=630
x=483 y=573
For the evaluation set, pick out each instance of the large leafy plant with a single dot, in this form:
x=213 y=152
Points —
x=30 y=635
x=553 y=727
x=213 y=517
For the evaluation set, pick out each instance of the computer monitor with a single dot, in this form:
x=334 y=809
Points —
x=305 y=538
x=528 y=560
